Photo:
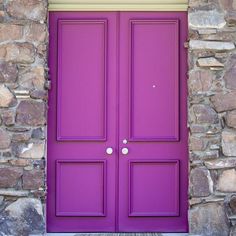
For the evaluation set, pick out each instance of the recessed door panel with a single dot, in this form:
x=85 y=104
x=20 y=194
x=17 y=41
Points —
x=74 y=195
x=153 y=188
x=82 y=49
x=154 y=79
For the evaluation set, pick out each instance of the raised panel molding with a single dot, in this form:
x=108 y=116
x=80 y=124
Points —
x=118 y=5
x=153 y=187
x=68 y=131
x=88 y=177
x=151 y=82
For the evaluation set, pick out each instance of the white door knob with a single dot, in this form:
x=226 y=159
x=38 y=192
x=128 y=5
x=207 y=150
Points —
x=125 y=151
x=109 y=150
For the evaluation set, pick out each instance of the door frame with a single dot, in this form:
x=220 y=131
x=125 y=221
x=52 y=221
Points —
x=119 y=5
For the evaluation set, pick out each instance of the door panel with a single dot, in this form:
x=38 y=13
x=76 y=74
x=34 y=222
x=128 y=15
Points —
x=82 y=70
x=82 y=122
x=152 y=75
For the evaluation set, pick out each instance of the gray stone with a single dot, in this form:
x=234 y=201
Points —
x=230 y=74
x=228 y=4
x=33 y=150
x=231 y=202
x=23 y=217
x=18 y=52
x=207 y=31
x=200 y=182
x=9 y=176
x=21 y=137
x=38 y=133
x=7 y=99
x=231 y=18
x=27 y=9
x=33 y=179
x=10 y=32
x=210 y=45
x=14 y=193
x=206 y=19
x=233 y=231
x=8 y=72
x=227 y=181
x=203 y=114
x=33 y=78
x=8 y=117
x=39 y=94
x=197 y=143
x=31 y=113
x=209 y=62
x=231 y=118
x=220 y=163
x=209 y=220
x=229 y=142
x=200 y=81
x=5 y=139
x=224 y=101
x=36 y=32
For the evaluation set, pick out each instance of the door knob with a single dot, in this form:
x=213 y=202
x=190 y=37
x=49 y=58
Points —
x=109 y=150
x=125 y=151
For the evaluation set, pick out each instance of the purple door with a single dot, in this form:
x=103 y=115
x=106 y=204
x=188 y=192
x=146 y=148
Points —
x=153 y=174
x=117 y=136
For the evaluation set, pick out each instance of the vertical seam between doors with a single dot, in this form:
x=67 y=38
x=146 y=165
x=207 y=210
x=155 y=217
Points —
x=117 y=182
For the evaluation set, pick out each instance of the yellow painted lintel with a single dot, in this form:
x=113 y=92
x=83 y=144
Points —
x=118 y=5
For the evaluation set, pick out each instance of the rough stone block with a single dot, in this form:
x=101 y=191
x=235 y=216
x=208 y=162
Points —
x=231 y=118
x=211 y=45
x=9 y=176
x=206 y=19
x=7 y=99
x=224 y=101
x=10 y=32
x=33 y=179
x=5 y=139
x=31 y=113
x=17 y=52
x=8 y=72
x=203 y=114
x=229 y=142
x=207 y=62
x=209 y=220
x=27 y=9
x=200 y=181
x=227 y=181
x=200 y=81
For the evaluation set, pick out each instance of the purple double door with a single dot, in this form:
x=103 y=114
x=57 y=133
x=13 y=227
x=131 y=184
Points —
x=117 y=128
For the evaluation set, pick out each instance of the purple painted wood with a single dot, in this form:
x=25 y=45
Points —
x=153 y=98
x=117 y=76
x=82 y=122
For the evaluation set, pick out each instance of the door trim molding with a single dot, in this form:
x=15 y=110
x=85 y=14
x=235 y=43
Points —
x=118 y=5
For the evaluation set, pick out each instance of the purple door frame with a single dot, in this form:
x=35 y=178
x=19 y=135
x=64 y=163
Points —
x=119 y=81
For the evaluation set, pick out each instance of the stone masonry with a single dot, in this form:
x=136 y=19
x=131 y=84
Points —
x=212 y=116
x=23 y=105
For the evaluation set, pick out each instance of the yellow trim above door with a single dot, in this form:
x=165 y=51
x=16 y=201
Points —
x=118 y=5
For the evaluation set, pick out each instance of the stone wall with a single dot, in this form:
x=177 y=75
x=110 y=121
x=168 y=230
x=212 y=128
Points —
x=23 y=72
x=212 y=117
